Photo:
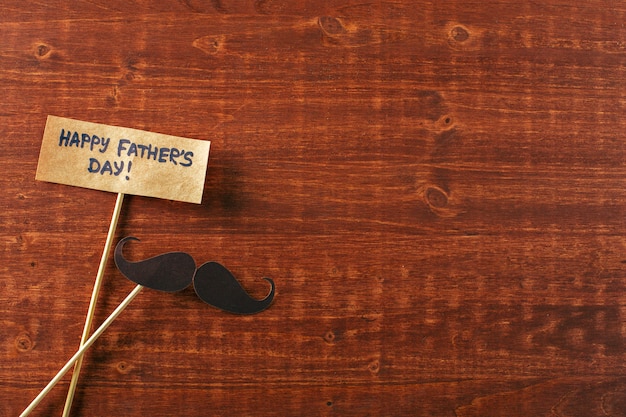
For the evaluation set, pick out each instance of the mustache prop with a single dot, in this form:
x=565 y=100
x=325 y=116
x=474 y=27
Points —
x=169 y=272
x=175 y=271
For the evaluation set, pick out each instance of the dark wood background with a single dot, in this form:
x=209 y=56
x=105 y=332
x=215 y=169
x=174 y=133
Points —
x=437 y=189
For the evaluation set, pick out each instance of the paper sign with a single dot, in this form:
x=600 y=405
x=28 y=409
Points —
x=122 y=160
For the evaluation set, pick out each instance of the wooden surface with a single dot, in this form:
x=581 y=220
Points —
x=437 y=189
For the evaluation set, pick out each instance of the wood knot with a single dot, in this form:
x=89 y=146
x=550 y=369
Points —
x=374 y=366
x=42 y=51
x=210 y=45
x=437 y=200
x=331 y=26
x=445 y=122
x=23 y=342
x=461 y=37
x=459 y=34
x=329 y=337
x=436 y=197
x=123 y=367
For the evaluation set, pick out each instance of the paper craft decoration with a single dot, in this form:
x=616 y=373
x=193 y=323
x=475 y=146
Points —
x=130 y=161
x=122 y=160
x=169 y=272
x=213 y=284
x=125 y=161
x=175 y=271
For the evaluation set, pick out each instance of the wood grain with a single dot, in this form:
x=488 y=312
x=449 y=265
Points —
x=437 y=189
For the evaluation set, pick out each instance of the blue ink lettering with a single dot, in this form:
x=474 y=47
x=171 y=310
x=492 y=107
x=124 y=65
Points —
x=174 y=153
x=64 y=139
x=105 y=144
x=143 y=149
x=121 y=146
x=132 y=150
x=75 y=140
x=118 y=168
x=152 y=153
x=163 y=154
x=94 y=165
x=106 y=167
x=85 y=138
x=188 y=155
x=95 y=140
x=128 y=148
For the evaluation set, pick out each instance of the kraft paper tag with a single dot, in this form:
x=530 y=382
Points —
x=122 y=160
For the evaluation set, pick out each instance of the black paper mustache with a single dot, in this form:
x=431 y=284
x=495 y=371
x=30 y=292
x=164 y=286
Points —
x=174 y=271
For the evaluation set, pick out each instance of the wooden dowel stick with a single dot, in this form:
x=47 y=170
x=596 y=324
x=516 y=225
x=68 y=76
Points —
x=82 y=350
x=94 y=299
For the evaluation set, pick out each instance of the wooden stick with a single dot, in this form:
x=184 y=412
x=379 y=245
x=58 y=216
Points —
x=82 y=350
x=94 y=299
